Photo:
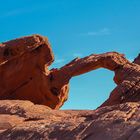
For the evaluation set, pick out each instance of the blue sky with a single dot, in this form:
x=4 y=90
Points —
x=78 y=28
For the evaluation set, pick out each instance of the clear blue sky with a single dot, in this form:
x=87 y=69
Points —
x=77 y=28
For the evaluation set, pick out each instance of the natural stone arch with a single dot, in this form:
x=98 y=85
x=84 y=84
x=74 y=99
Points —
x=89 y=90
x=127 y=74
x=24 y=73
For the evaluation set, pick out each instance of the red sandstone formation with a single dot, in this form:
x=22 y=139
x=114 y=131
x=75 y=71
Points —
x=24 y=73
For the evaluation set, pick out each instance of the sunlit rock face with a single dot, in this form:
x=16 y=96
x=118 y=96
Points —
x=24 y=73
x=29 y=91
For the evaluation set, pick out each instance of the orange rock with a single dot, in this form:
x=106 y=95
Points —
x=22 y=120
x=24 y=70
x=24 y=73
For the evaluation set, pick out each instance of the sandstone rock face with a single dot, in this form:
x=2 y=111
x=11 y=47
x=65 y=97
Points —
x=22 y=120
x=24 y=73
x=24 y=70
x=25 y=76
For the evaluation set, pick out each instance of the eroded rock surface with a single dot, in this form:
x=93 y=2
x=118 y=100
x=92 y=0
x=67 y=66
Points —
x=24 y=73
x=24 y=70
x=25 y=76
x=22 y=120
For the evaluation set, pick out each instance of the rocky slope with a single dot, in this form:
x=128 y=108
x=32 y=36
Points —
x=25 y=76
x=22 y=120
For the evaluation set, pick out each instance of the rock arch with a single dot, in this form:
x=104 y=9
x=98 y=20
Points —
x=24 y=73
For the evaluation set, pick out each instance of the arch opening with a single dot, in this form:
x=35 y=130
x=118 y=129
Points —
x=90 y=90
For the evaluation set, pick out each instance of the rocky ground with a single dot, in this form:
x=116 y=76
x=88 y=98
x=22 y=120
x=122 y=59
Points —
x=23 y=120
